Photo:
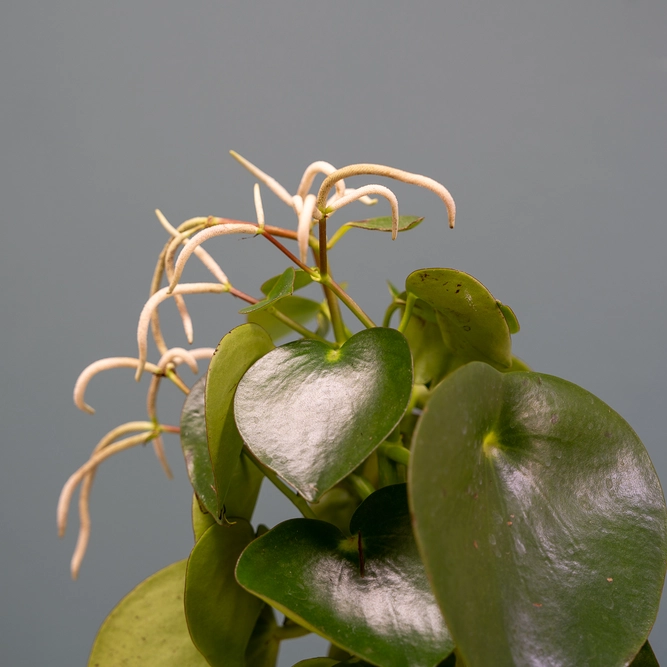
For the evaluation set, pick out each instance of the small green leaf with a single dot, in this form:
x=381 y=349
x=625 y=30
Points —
x=148 y=627
x=318 y=662
x=301 y=279
x=380 y=608
x=284 y=286
x=297 y=308
x=383 y=224
x=195 y=448
x=220 y=614
x=237 y=351
x=313 y=414
x=540 y=520
x=510 y=317
x=472 y=325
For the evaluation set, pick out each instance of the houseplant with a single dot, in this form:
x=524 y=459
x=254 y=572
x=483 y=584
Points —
x=458 y=508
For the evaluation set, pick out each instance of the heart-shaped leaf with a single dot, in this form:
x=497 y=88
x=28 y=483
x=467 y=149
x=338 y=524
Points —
x=295 y=307
x=220 y=614
x=540 y=519
x=368 y=594
x=383 y=224
x=301 y=279
x=313 y=414
x=283 y=287
x=473 y=326
x=263 y=646
x=148 y=627
x=237 y=352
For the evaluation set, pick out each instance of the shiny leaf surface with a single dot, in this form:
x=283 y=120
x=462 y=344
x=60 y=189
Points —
x=313 y=414
x=472 y=325
x=195 y=447
x=237 y=351
x=221 y=615
x=148 y=627
x=282 y=287
x=313 y=573
x=297 y=308
x=540 y=519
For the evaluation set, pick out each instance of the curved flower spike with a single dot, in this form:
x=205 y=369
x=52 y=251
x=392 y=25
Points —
x=303 y=230
x=258 y=207
x=203 y=256
x=372 y=189
x=177 y=355
x=366 y=200
x=389 y=172
x=309 y=174
x=204 y=235
x=270 y=183
x=155 y=300
x=103 y=365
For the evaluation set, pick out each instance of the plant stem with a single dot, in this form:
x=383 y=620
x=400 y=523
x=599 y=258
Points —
x=361 y=485
x=396 y=453
x=289 y=254
x=407 y=313
x=348 y=301
x=298 y=501
x=290 y=630
x=391 y=309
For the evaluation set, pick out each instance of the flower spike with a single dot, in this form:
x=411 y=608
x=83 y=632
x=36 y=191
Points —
x=372 y=189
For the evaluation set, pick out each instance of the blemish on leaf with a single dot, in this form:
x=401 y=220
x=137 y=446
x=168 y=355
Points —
x=474 y=543
x=610 y=579
x=537 y=604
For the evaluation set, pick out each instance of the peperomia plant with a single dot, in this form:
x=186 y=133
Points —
x=458 y=508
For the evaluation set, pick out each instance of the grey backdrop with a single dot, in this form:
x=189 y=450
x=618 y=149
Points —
x=547 y=120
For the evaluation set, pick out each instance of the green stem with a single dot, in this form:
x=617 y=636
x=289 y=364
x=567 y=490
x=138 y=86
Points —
x=407 y=313
x=361 y=485
x=391 y=309
x=348 y=301
x=289 y=254
x=338 y=235
x=396 y=453
x=298 y=501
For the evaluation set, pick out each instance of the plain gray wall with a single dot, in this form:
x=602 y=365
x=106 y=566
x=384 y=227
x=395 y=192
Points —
x=547 y=120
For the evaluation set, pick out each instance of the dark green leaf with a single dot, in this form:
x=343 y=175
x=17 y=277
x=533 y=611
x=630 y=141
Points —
x=313 y=573
x=383 y=224
x=263 y=646
x=313 y=414
x=301 y=279
x=220 y=614
x=472 y=325
x=195 y=447
x=148 y=627
x=645 y=658
x=237 y=351
x=318 y=662
x=540 y=519
x=283 y=287
x=295 y=307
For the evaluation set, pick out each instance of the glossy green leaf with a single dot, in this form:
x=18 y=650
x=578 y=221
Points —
x=202 y=520
x=195 y=447
x=297 y=308
x=263 y=646
x=645 y=658
x=148 y=627
x=540 y=519
x=383 y=224
x=237 y=351
x=301 y=279
x=472 y=325
x=221 y=615
x=313 y=414
x=380 y=608
x=284 y=286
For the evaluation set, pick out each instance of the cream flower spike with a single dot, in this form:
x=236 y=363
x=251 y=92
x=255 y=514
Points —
x=303 y=230
x=199 y=238
x=319 y=167
x=388 y=172
x=155 y=300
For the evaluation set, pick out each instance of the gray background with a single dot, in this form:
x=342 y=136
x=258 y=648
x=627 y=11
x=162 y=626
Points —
x=547 y=120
